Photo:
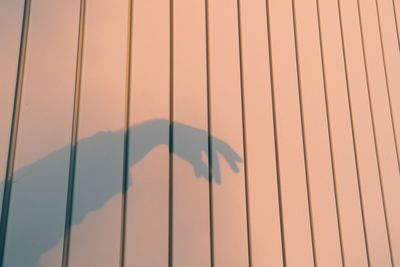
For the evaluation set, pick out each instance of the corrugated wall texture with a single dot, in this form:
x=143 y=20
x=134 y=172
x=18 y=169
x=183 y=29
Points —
x=201 y=133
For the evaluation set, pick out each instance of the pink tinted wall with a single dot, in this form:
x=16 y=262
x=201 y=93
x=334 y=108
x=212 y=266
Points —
x=260 y=133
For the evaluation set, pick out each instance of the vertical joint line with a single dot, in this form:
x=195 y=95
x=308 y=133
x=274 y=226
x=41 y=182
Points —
x=303 y=133
x=396 y=23
x=329 y=131
x=244 y=134
x=74 y=137
x=171 y=132
x=352 y=131
x=209 y=141
x=278 y=175
x=14 y=130
x=125 y=173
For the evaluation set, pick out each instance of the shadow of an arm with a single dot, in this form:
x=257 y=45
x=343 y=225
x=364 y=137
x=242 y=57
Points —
x=39 y=190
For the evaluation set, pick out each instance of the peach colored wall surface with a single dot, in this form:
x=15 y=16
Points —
x=257 y=133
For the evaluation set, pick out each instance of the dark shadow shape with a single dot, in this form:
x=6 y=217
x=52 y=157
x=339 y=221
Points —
x=36 y=222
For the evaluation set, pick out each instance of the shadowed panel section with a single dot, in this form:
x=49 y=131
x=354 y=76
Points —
x=96 y=242
x=11 y=13
x=44 y=126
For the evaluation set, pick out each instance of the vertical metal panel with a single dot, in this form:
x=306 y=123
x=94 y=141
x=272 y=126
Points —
x=38 y=199
x=191 y=221
x=228 y=188
x=316 y=139
x=359 y=103
x=296 y=217
x=343 y=155
x=96 y=224
x=343 y=159
x=341 y=124
x=127 y=134
x=9 y=175
x=396 y=11
x=265 y=235
x=360 y=99
x=391 y=56
x=390 y=176
x=381 y=113
x=74 y=136
x=10 y=31
x=148 y=205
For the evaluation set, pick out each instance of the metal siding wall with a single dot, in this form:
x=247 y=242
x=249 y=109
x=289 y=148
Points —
x=260 y=133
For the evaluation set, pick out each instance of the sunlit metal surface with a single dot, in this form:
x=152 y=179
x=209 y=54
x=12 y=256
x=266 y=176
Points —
x=223 y=133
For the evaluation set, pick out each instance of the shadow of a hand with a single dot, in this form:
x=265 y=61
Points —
x=190 y=143
x=231 y=157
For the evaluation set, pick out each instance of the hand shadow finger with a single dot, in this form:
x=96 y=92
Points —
x=229 y=154
x=201 y=170
x=215 y=168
